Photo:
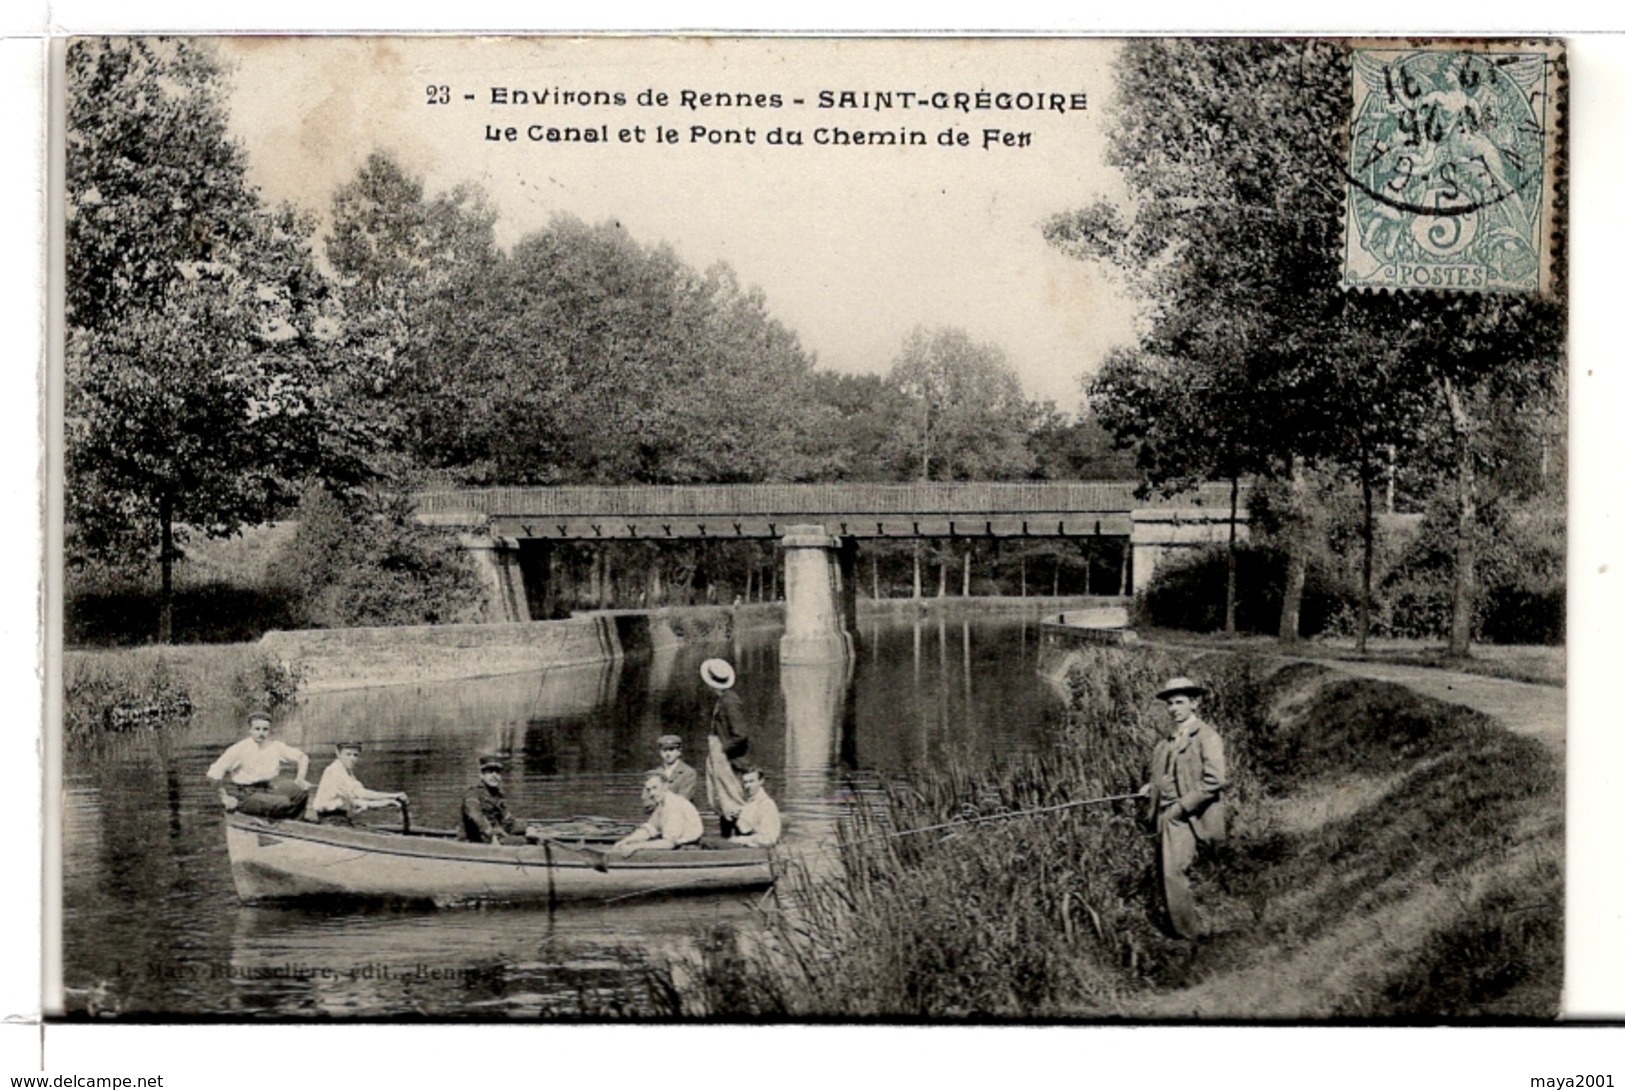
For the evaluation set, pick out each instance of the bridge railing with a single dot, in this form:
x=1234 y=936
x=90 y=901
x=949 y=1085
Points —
x=790 y=500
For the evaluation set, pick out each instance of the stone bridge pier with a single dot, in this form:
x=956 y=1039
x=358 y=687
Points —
x=819 y=606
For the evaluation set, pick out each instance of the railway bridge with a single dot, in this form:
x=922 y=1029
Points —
x=819 y=526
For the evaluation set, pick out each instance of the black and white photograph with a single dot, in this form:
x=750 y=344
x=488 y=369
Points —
x=718 y=529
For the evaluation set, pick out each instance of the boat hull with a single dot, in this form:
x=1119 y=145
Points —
x=278 y=860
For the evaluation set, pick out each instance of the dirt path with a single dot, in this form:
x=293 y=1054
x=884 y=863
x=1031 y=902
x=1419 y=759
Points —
x=1539 y=711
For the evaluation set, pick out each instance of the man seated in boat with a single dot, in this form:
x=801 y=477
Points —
x=673 y=821
x=758 y=824
x=680 y=777
x=340 y=796
x=250 y=777
x=485 y=812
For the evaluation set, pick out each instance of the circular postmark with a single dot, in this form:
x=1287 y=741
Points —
x=1447 y=158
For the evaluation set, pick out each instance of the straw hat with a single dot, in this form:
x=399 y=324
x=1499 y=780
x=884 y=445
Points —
x=717 y=674
x=1181 y=686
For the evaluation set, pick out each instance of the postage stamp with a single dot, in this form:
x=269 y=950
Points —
x=1451 y=158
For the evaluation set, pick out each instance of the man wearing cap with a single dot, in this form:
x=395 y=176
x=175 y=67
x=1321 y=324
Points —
x=340 y=796
x=728 y=743
x=249 y=774
x=673 y=822
x=485 y=812
x=1187 y=775
x=680 y=777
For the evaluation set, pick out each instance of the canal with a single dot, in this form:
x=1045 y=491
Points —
x=151 y=922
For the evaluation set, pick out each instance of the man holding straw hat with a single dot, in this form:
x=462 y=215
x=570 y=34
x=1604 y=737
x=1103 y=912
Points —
x=727 y=745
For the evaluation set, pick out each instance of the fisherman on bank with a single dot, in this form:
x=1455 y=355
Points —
x=673 y=822
x=727 y=744
x=680 y=777
x=340 y=796
x=485 y=812
x=249 y=774
x=1187 y=776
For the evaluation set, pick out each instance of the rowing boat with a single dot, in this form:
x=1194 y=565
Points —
x=275 y=860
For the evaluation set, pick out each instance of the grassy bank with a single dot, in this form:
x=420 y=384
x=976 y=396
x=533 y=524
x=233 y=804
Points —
x=150 y=687
x=1391 y=857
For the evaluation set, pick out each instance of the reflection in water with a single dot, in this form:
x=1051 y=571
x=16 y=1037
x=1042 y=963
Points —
x=814 y=698
x=149 y=906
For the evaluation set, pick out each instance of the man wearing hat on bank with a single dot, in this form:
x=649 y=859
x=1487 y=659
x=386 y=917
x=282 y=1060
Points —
x=1187 y=776
x=727 y=745
x=340 y=796
x=485 y=812
x=680 y=777
x=249 y=773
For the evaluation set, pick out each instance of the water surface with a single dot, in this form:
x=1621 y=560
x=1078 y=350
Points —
x=151 y=918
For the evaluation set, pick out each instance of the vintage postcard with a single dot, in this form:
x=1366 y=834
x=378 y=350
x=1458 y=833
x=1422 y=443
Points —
x=718 y=529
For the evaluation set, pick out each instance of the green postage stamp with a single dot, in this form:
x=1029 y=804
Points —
x=1452 y=154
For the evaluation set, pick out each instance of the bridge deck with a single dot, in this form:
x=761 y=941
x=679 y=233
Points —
x=924 y=509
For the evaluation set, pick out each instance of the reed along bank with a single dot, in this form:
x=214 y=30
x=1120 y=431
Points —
x=1390 y=857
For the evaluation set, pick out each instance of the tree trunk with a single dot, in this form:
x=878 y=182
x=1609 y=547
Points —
x=1024 y=577
x=1368 y=547
x=1462 y=585
x=1393 y=472
x=919 y=588
x=1088 y=570
x=942 y=578
x=965 y=589
x=874 y=574
x=1297 y=559
x=1122 y=577
x=1230 y=559
x=166 y=569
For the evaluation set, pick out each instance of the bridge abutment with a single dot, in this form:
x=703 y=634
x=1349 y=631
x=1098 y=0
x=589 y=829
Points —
x=813 y=628
x=497 y=562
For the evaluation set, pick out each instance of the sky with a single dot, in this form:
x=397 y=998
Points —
x=853 y=245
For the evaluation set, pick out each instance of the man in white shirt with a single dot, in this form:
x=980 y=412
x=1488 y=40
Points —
x=758 y=824
x=249 y=774
x=673 y=821
x=340 y=796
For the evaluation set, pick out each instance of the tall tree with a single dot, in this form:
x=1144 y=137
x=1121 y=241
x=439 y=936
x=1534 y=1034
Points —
x=851 y=424
x=404 y=262
x=1232 y=151
x=196 y=390
x=969 y=420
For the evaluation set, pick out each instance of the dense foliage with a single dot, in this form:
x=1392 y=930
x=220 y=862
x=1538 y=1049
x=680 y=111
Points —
x=372 y=564
x=196 y=392
x=1254 y=360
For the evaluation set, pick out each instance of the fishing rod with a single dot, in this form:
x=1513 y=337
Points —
x=998 y=817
